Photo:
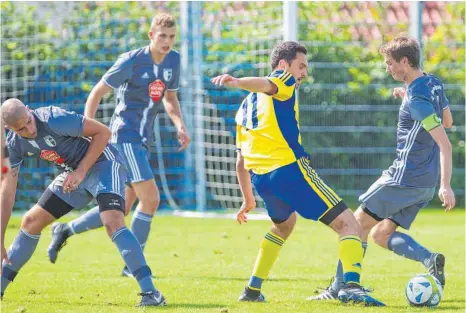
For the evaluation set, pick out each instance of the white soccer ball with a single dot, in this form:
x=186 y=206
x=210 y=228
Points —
x=424 y=290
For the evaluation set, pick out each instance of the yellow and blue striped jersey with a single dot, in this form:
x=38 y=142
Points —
x=268 y=127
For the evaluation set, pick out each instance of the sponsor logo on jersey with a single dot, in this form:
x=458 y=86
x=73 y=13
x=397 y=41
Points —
x=51 y=156
x=156 y=89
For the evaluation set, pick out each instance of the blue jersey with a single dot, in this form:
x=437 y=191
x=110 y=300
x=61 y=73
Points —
x=140 y=85
x=418 y=156
x=59 y=140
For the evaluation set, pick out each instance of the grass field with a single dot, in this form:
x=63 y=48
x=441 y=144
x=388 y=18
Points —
x=202 y=265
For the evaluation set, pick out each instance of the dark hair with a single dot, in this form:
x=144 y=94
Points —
x=402 y=46
x=286 y=51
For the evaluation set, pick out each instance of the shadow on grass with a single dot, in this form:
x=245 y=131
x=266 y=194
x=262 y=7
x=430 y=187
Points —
x=244 y=279
x=441 y=307
x=194 y=306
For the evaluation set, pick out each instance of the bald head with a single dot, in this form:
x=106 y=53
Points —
x=13 y=110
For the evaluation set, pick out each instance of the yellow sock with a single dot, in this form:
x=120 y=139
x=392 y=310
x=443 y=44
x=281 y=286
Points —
x=268 y=254
x=351 y=254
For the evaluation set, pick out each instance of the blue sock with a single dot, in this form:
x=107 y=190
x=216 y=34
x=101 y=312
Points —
x=255 y=282
x=140 y=226
x=134 y=259
x=19 y=253
x=339 y=281
x=404 y=245
x=87 y=221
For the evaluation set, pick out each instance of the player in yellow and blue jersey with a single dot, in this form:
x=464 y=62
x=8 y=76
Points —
x=271 y=157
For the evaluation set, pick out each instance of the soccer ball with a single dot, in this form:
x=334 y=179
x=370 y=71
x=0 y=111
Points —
x=424 y=290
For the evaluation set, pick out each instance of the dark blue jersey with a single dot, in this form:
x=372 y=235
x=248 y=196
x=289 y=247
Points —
x=418 y=156
x=140 y=85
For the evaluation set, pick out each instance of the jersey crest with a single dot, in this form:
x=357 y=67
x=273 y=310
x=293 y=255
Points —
x=50 y=141
x=167 y=74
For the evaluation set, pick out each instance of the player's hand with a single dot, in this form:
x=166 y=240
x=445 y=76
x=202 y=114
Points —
x=73 y=180
x=225 y=80
x=183 y=139
x=247 y=206
x=4 y=257
x=447 y=196
x=399 y=92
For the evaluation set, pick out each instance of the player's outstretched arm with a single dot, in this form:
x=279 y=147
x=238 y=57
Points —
x=172 y=107
x=447 y=118
x=7 y=200
x=244 y=179
x=445 y=193
x=100 y=134
x=96 y=95
x=252 y=84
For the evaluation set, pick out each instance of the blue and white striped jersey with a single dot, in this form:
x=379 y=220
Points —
x=417 y=162
x=59 y=140
x=140 y=85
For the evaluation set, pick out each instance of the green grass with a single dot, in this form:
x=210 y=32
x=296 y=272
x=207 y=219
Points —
x=202 y=265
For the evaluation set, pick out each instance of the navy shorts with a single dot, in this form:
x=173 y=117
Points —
x=297 y=187
x=104 y=177
x=136 y=158
x=398 y=203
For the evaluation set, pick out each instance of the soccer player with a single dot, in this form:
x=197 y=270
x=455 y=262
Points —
x=409 y=183
x=90 y=169
x=143 y=79
x=270 y=155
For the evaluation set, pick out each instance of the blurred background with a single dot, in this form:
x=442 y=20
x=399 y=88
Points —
x=52 y=53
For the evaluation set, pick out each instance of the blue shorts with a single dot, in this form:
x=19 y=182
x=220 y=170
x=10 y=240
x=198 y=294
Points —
x=104 y=177
x=297 y=187
x=398 y=203
x=136 y=159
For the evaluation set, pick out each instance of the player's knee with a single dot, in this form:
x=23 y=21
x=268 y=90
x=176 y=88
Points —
x=365 y=221
x=33 y=223
x=112 y=221
x=380 y=236
x=150 y=203
x=284 y=228
x=346 y=224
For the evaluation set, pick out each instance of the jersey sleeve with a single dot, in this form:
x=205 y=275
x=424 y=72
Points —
x=285 y=83
x=423 y=110
x=14 y=151
x=66 y=123
x=120 y=72
x=174 y=84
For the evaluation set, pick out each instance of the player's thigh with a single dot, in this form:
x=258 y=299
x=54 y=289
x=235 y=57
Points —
x=300 y=186
x=136 y=159
x=277 y=209
x=58 y=203
x=36 y=219
x=383 y=201
x=106 y=182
